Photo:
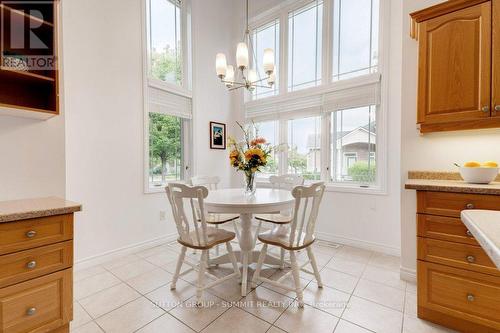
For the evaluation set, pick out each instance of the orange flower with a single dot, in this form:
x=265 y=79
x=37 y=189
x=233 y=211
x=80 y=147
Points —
x=234 y=154
x=257 y=141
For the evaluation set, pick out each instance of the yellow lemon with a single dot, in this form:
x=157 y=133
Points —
x=490 y=164
x=472 y=164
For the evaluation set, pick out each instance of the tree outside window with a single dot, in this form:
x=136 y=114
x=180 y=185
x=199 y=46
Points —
x=165 y=148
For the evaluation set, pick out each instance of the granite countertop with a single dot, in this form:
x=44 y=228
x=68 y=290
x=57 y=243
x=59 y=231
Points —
x=15 y=210
x=448 y=182
x=485 y=226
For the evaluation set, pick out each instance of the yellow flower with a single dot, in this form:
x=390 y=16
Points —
x=254 y=152
x=234 y=154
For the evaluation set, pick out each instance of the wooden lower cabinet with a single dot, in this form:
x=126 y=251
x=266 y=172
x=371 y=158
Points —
x=36 y=282
x=458 y=285
x=38 y=305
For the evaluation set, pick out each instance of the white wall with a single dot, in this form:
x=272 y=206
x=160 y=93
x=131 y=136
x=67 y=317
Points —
x=436 y=151
x=31 y=158
x=103 y=72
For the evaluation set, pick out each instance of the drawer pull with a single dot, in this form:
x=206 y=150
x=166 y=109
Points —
x=469 y=233
x=31 y=264
x=470 y=297
x=31 y=311
x=471 y=259
x=469 y=206
x=31 y=234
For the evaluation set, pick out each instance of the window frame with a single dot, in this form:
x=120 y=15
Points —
x=186 y=77
x=169 y=89
x=328 y=84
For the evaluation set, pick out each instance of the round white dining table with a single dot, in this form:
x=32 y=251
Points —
x=235 y=201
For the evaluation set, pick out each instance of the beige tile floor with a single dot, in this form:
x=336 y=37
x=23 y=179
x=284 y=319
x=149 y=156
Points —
x=362 y=293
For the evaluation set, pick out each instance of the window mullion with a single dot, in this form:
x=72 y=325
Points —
x=283 y=68
x=327 y=41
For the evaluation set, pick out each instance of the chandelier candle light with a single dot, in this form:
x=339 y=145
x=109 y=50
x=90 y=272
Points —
x=249 y=77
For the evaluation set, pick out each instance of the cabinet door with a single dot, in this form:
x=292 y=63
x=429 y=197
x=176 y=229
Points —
x=495 y=98
x=455 y=66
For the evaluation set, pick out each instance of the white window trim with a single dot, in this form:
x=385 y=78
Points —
x=183 y=91
x=269 y=103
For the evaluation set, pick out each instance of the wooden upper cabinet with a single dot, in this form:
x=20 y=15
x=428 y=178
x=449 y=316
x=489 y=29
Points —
x=459 y=65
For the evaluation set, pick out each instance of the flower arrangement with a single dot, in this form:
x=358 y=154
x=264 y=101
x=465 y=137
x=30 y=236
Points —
x=250 y=155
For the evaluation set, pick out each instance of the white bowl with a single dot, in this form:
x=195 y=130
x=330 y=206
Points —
x=481 y=175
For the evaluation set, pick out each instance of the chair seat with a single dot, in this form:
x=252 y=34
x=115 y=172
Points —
x=212 y=218
x=214 y=236
x=278 y=238
x=274 y=218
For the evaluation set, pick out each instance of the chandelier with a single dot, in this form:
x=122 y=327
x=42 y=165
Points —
x=248 y=78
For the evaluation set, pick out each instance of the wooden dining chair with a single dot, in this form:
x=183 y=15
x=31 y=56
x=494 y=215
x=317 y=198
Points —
x=195 y=233
x=284 y=182
x=300 y=236
x=212 y=183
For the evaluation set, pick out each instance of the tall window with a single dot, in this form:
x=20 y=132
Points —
x=167 y=100
x=305 y=30
x=304 y=147
x=355 y=37
x=353 y=143
x=165 y=41
x=266 y=36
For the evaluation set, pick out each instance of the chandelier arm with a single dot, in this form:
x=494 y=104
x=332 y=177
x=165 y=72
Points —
x=260 y=80
x=235 y=88
x=234 y=82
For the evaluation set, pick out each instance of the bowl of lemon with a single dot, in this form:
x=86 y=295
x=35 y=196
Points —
x=479 y=173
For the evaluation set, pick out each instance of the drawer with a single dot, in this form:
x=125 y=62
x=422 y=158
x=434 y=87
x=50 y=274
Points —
x=39 y=305
x=452 y=204
x=444 y=228
x=458 y=255
x=462 y=294
x=23 y=235
x=24 y=265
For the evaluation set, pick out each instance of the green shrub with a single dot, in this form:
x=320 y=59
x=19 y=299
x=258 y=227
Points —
x=362 y=173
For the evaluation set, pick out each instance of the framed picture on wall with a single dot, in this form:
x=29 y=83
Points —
x=217 y=135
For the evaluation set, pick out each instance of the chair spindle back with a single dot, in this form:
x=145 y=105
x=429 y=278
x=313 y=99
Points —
x=307 y=201
x=286 y=182
x=180 y=196
x=210 y=182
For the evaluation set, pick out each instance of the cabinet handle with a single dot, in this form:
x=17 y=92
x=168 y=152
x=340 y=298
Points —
x=469 y=233
x=470 y=259
x=469 y=206
x=485 y=109
x=497 y=107
x=31 y=311
x=31 y=264
x=31 y=234
x=470 y=297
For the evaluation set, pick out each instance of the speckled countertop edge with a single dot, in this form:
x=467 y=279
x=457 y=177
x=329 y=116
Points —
x=447 y=182
x=16 y=210
x=480 y=223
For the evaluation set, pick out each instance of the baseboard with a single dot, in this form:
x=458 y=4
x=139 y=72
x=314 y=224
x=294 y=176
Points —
x=407 y=274
x=120 y=252
x=359 y=243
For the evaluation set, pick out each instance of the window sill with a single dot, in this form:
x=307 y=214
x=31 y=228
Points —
x=341 y=188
